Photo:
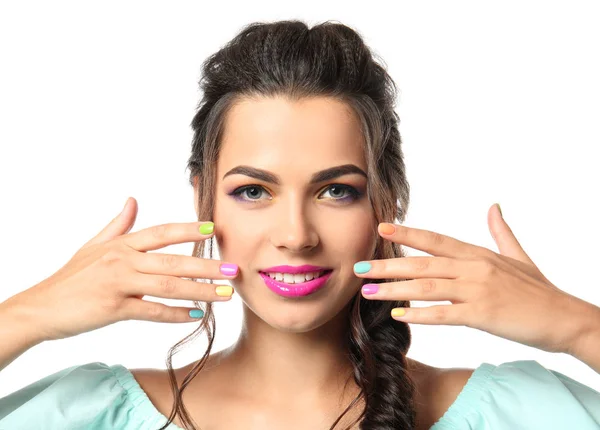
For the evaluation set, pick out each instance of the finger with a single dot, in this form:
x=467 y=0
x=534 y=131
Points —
x=144 y=310
x=439 y=314
x=426 y=289
x=415 y=267
x=505 y=238
x=431 y=242
x=121 y=224
x=159 y=236
x=182 y=265
x=172 y=287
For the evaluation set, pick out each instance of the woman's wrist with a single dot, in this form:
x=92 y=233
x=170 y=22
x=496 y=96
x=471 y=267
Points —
x=586 y=346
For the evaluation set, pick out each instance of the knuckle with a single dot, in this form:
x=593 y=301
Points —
x=486 y=253
x=112 y=304
x=437 y=239
x=159 y=231
x=155 y=311
x=421 y=264
x=124 y=313
x=170 y=261
x=486 y=265
x=428 y=286
x=112 y=256
x=481 y=314
x=481 y=293
x=440 y=314
x=168 y=285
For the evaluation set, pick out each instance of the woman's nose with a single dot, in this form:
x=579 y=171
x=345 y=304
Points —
x=293 y=229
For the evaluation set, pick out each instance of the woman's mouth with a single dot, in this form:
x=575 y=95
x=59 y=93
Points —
x=295 y=285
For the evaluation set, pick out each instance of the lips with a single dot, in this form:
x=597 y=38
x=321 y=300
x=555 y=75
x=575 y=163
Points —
x=295 y=290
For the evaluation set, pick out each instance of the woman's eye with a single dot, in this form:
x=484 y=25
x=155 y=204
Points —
x=253 y=191
x=337 y=191
x=349 y=193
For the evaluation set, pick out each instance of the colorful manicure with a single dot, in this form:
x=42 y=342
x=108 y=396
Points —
x=387 y=228
x=370 y=288
x=196 y=313
x=207 y=228
x=398 y=312
x=224 y=291
x=228 y=269
x=362 y=267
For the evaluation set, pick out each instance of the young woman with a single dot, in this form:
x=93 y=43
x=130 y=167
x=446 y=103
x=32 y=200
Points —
x=298 y=174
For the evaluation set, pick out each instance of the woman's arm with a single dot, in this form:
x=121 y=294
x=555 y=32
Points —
x=17 y=333
x=587 y=346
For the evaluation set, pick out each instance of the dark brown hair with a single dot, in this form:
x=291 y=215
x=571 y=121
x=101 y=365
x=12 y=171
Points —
x=288 y=59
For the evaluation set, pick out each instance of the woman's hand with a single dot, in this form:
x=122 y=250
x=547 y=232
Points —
x=503 y=294
x=107 y=278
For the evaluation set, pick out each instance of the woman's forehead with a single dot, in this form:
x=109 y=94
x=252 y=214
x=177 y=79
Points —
x=276 y=132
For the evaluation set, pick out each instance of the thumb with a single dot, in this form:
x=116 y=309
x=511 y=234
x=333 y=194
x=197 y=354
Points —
x=504 y=237
x=121 y=224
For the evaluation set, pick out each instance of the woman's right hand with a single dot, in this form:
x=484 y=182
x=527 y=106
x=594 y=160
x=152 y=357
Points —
x=104 y=282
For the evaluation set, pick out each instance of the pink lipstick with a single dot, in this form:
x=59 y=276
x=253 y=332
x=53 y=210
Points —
x=295 y=290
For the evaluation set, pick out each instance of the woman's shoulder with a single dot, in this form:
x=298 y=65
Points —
x=435 y=390
x=91 y=395
x=519 y=394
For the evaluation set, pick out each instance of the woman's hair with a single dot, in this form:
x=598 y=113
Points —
x=288 y=59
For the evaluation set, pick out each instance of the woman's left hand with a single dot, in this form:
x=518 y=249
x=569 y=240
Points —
x=503 y=294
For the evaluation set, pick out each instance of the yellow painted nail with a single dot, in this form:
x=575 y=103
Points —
x=224 y=291
x=398 y=312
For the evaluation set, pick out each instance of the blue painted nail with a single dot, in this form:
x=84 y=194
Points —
x=362 y=267
x=196 y=313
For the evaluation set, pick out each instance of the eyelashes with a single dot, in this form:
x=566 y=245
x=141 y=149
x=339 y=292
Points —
x=352 y=193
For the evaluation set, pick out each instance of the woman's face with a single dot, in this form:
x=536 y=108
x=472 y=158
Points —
x=295 y=222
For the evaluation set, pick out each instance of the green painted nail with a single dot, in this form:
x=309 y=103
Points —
x=362 y=267
x=207 y=228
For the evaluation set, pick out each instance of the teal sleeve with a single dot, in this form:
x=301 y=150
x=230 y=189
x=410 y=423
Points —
x=92 y=396
x=522 y=395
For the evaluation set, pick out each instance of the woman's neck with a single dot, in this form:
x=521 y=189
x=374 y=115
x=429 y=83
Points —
x=273 y=364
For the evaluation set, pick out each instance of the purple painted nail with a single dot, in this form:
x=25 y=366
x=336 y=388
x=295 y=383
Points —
x=228 y=269
x=370 y=288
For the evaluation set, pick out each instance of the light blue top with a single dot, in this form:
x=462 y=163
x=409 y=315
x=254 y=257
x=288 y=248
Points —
x=512 y=396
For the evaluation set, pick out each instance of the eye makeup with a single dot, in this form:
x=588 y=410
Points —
x=352 y=193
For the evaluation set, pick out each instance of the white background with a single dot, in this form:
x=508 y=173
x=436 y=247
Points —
x=498 y=103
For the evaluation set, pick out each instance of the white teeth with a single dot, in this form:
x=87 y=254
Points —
x=297 y=278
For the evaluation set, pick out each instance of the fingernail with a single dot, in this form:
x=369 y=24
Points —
x=196 y=313
x=224 y=291
x=498 y=204
x=228 y=269
x=362 y=267
x=370 y=288
x=207 y=228
x=386 y=228
x=398 y=312
x=125 y=207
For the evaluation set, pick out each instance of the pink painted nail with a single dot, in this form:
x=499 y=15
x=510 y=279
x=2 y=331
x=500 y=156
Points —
x=370 y=288
x=228 y=269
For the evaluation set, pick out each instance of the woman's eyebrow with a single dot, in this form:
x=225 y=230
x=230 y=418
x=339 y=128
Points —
x=323 y=175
